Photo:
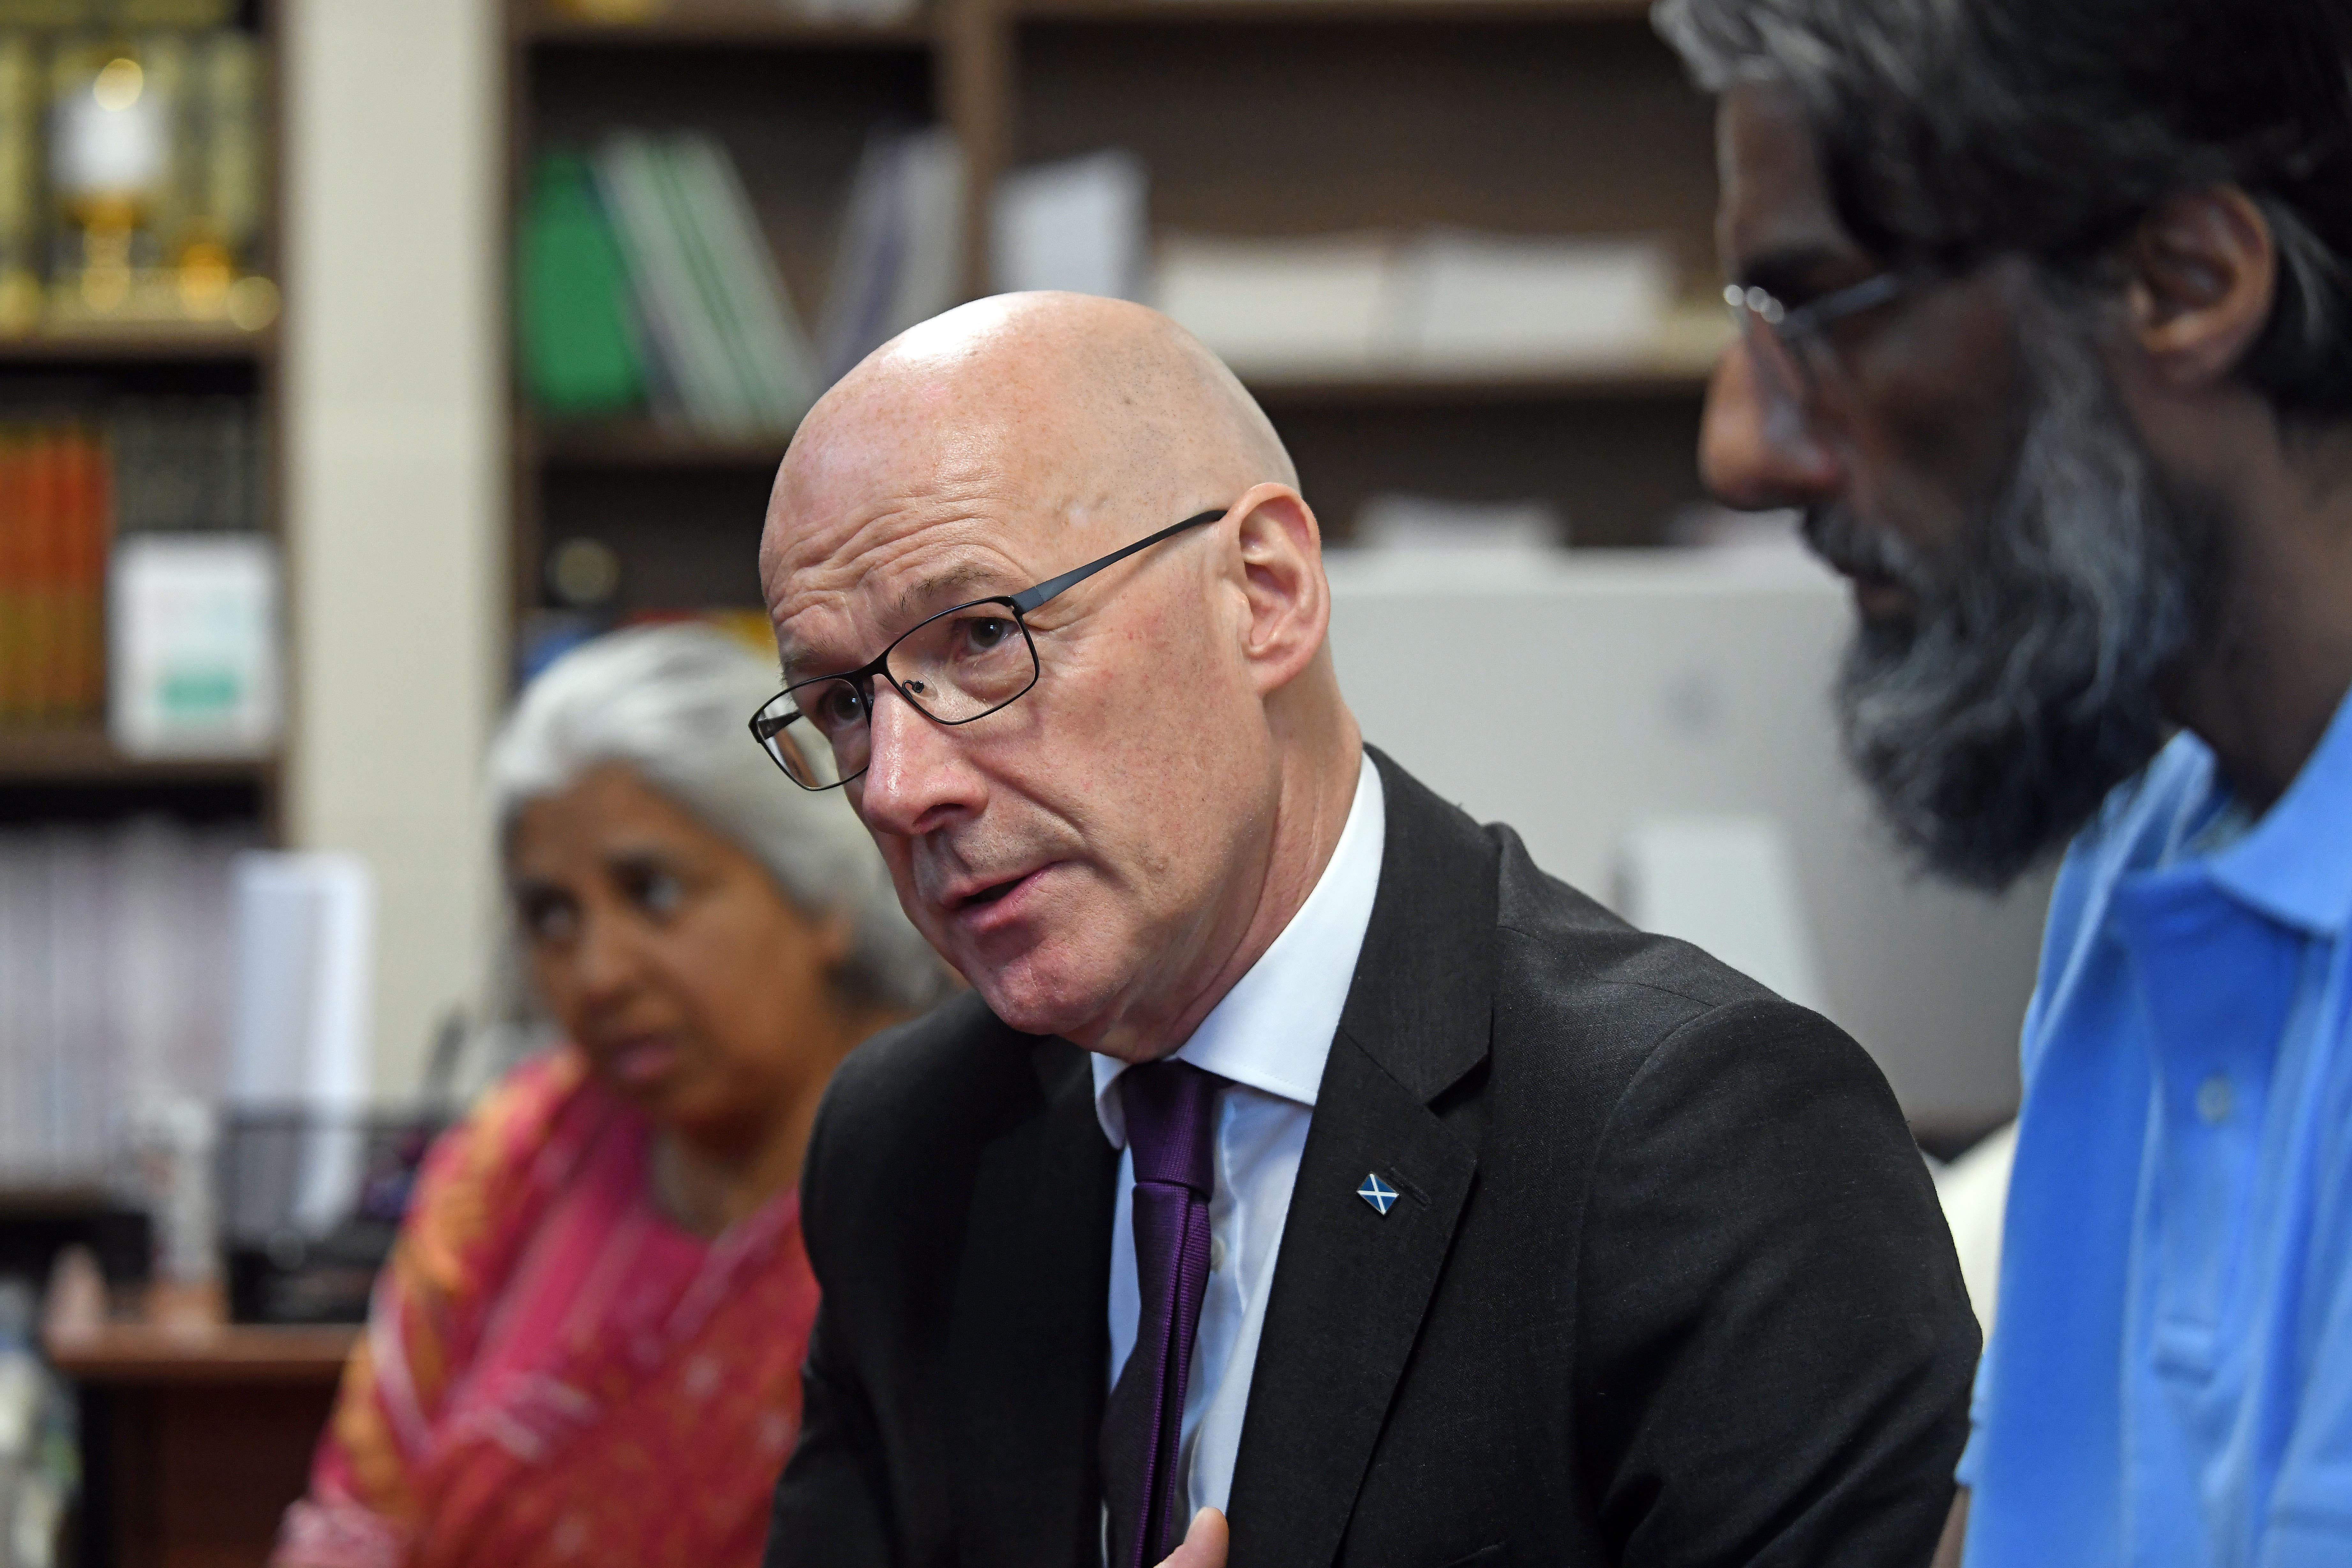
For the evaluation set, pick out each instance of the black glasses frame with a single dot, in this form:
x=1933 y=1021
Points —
x=1792 y=323
x=1798 y=328
x=765 y=729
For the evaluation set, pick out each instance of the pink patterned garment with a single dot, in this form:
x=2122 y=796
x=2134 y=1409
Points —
x=554 y=1373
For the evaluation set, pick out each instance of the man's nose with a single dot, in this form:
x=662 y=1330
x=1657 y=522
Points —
x=1757 y=448
x=916 y=777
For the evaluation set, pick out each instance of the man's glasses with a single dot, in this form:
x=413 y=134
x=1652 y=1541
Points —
x=1790 y=343
x=960 y=665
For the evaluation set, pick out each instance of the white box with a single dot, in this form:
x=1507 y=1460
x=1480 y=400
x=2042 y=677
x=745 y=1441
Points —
x=1080 y=225
x=305 y=981
x=1394 y=520
x=1475 y=303
x=1282 y=308
x=192 y=638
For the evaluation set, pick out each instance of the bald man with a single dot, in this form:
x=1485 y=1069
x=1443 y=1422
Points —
x=1303 y=1158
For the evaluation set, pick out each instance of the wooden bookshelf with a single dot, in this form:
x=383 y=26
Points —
x=761 y=26
x=196 y=1434
x=77 y=771
x=87 y=756
x=1507 y=116
x=641 y=444
x=1594 y=385
x=1346 y=13
x=143 y=345
x=236 y=1353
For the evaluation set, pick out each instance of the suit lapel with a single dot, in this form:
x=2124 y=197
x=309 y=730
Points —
x=1351 y=1284
x=1030 y=1341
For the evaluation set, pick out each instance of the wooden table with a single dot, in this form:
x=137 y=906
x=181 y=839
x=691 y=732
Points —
x=195 y=1434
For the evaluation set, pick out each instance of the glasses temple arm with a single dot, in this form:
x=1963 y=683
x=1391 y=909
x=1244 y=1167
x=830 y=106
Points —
x=1846 y=301
x=1029 y=599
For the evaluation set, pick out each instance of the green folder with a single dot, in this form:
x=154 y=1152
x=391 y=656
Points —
x=575 y=316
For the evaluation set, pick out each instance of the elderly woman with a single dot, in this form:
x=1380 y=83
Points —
x=587 y=1345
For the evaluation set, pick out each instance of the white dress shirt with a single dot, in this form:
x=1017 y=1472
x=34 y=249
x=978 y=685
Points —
x=1269 y=1037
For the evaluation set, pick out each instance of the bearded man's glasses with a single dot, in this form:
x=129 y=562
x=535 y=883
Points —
x=1790 y=343
x=960 y=665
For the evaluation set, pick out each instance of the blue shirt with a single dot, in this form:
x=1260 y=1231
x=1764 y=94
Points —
x=2169 y=1380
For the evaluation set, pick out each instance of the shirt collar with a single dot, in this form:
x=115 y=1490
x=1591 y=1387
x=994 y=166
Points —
x=2295 y=863
x=1273 y=1030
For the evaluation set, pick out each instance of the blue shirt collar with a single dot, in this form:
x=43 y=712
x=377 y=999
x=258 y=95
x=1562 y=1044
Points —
x=2294 y=864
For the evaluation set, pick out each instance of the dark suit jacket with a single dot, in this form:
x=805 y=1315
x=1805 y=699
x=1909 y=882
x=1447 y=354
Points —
x=1667 y=1284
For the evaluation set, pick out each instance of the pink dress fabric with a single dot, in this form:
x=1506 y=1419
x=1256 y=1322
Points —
x=554 y=1373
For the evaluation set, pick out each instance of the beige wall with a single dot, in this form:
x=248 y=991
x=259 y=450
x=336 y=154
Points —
x=394 y=504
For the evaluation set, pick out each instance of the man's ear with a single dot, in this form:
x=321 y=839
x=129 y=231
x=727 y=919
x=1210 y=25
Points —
x=2201 y=275
x=1289 y=603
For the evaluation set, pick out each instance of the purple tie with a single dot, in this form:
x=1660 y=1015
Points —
x=1171 y=1126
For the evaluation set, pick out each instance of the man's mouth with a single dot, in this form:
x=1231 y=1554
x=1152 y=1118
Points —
x=1870 y=560
x=972 y=896
x=1877 y=598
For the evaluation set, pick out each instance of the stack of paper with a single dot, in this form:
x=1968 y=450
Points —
x=1442 y=303
x=1305 y=307
x=1394 y=520
x=1081 y=225
x=901 y=255
x=305 y=941
x=1468 y=303
x=727 y=353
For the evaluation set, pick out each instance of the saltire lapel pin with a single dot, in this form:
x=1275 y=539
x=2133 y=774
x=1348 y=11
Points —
x=1377 y=1193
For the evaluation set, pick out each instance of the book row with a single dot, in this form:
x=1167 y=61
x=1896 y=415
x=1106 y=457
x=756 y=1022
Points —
x=71 y=486
x=648 y=284
x=116 y=976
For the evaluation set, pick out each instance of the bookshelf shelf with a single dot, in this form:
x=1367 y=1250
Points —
x=144 y=345
x=639 y=444
x=1438 y=390
x=1343 y=12
x=87 y=756
x=643 y=445
x=688 y=25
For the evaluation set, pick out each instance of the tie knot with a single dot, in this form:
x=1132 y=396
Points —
x=1171 y=1122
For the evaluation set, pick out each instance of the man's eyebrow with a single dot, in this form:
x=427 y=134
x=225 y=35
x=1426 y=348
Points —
x=934 y=593
x=925 y=595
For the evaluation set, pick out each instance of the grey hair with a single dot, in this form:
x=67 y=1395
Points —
x=2030 y=684
x=1954 y=130
x=672 y=703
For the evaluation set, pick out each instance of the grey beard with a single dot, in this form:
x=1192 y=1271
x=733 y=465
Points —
x=1991 y=727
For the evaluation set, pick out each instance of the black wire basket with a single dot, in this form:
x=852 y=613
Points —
x=310 y=1200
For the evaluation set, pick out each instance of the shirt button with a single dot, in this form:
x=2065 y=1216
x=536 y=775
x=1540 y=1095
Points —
x=1216 y=1255
x=2213 y=1099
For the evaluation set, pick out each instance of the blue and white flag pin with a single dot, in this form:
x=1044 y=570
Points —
x=1377 y=1193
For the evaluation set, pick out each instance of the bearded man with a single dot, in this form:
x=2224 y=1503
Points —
x=2047 y=325
x=1304 y=1154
